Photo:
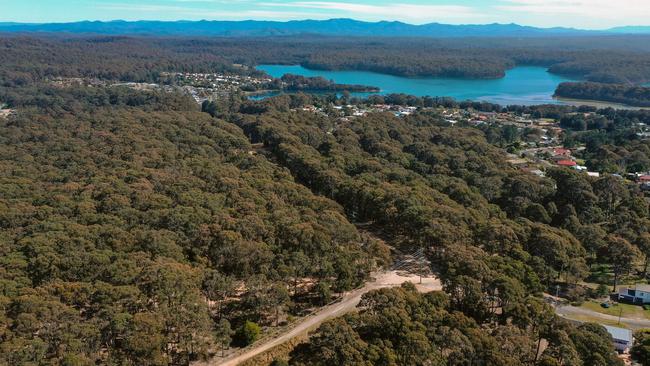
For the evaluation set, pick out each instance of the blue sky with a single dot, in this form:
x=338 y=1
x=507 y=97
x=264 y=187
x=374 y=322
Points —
x=591 y=14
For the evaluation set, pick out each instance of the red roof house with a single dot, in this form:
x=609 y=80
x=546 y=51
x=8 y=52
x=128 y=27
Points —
x=567 y=163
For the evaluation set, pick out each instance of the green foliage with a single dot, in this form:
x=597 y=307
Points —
x=602 y=290
x=247 y=334
x=617 y=93
x=399 y=326
x=210 y=107
x=122 y=218
x=641 y=349
x=129 y=220
x=223 y=333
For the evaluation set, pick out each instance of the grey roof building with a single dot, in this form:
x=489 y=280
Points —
x=622 y=338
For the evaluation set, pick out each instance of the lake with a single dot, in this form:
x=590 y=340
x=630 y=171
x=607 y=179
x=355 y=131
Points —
x=524 y=85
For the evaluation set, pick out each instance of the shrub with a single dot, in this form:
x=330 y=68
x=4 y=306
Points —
x=576 y=294
x=602 y=290
x=248 y=333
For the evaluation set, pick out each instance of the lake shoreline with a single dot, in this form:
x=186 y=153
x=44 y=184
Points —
x=597 y=103
x=522 y=85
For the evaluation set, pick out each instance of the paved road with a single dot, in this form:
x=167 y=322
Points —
x=346 y=305
x=570 y=312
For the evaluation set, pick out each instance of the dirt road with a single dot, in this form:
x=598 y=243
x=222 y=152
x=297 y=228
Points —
x=347 y=304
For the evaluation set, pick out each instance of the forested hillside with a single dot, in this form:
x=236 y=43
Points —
x=118 y=221
x=625 y=94
x=608 y=59
x=402 y=327
x=137 y=230
x=498 y=237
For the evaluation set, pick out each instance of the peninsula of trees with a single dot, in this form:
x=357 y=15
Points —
x=295 y=83
x=631 y=95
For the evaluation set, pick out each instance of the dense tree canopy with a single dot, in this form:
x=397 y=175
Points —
x=111 y=215
x=617 y=93
x=608 y=59
x=401 y=327
x=137 y=227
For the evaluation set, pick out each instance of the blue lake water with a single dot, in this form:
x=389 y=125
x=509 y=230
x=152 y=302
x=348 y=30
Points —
x=522 y=85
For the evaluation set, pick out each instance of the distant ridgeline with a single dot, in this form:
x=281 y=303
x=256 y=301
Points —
x=332 y=27
x=632 y=95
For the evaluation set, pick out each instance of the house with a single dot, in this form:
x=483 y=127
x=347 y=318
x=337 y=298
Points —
x=568 y=163
x=621 y=337
x=562 y=152
x=640 y=294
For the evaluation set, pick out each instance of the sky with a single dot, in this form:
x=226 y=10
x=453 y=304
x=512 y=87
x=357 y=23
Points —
x=586 y=14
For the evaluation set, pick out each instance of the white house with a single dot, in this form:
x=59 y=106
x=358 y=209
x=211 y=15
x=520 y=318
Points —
x=621 y=337
x=639 y=294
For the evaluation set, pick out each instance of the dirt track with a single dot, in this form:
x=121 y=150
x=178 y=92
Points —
x=347 y=304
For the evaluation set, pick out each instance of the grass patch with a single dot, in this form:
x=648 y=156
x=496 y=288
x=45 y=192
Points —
x=589 y=319
x=625 y=310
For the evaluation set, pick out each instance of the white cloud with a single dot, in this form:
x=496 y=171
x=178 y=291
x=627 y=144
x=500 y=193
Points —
x=596 y=13
x=173 y=12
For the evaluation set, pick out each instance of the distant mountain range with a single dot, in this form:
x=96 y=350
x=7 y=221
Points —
x=632 y=30
x=332 y=27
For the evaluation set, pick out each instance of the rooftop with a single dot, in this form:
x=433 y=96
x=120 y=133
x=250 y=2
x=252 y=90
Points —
x=620 y=334
x=567 y=163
